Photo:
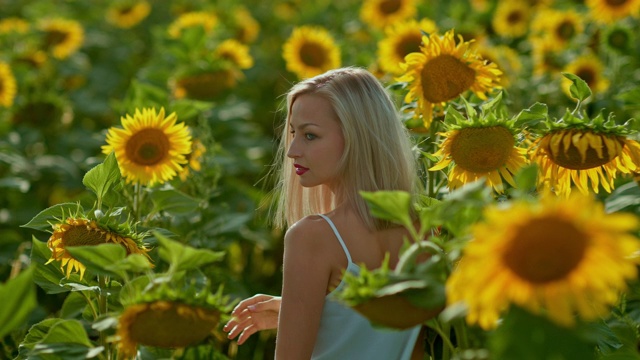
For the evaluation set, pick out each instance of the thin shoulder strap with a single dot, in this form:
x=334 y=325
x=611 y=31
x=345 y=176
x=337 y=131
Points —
x=335 y=231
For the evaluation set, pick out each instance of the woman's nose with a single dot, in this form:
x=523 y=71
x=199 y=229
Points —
x=293 y=151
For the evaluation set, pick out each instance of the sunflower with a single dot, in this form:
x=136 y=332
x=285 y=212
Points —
x=128 y=14
x=608 y=11
x=245 y=26
x=206 y=20
x=442 y=71
x=8 y=87
x=310 y=51
x=381 y=13
x=511 y=18
x=545 y=61
x=164 y=324
x=235 y=52
x=507 y=60
x=558 y=29
x=150 y=148
x=590 y=69
x=84 y=232
x=619 y=38
x=13 y=25
x=583 y=152
x=205 y=86
x=62 y=37
x=556 y=257
x=194 y=159
x=400 y=40
x=481 y=147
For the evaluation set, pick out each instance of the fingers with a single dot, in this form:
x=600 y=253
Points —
x=250 y=330
x=272 y=304
x=249 y=302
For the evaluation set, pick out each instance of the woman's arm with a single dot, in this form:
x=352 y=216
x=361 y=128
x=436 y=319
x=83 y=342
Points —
x=306 y=275
x=259 y=312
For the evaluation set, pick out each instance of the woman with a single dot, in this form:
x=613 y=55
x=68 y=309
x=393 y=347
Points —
x=342 y=136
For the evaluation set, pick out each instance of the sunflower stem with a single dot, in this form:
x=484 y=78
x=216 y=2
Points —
x=102 y=309
x=444 y=332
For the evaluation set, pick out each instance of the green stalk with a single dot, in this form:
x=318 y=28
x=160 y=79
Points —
x=102 y=310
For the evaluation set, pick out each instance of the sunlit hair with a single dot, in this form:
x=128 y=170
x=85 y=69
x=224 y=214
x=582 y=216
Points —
x=377 y=151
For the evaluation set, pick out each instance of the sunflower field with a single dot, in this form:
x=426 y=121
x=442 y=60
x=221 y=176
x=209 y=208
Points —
x=136 y=143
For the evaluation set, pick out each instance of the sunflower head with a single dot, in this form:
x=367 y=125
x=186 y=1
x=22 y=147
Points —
x=194 y=159
x=590 y=69
x=170 y=316
x=205 y=86
x=582 y=152
x=14 y=25
x=246 y=28
x=79 y=230
x=150 y=148
x=618 y=39
x=380 y=13
x=480 y=146
x=608 y=11
x=557 y=29
x=444 y=70
x=511 y=18
x=548 y=257
x=127 y=14
x=400 y=40
x=310 y=51
x=61 y=37
x=235 y=52
x=205 y=20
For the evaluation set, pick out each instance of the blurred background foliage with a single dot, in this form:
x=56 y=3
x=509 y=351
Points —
x=52 y=129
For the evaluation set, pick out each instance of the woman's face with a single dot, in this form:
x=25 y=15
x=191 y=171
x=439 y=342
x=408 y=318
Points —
x=317 y=142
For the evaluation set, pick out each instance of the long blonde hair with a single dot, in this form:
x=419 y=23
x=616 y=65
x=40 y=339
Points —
x=377 y=152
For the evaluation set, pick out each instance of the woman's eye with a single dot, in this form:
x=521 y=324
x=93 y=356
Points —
x=309 y=136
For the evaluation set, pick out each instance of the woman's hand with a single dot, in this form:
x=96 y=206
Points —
x=259 y=312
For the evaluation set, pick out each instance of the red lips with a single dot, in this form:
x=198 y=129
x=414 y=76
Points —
x=300 y=169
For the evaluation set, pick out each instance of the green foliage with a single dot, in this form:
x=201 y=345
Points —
x=19 y=299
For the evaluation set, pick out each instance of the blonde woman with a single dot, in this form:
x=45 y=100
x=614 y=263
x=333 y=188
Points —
x=342 y=135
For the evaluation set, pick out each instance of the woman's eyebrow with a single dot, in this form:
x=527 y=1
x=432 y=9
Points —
x=304 y=125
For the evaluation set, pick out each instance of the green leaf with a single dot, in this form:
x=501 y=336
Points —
x=173 y=201
x=579 y=89
x=532 y=116
x=64 y=339
x=527 y=177
x=625 y=197
x=67 y=331
x=18 y=300
x=103 y=177
x=184 y=257
x=43 y=220
x=524 y=336
x=100 y=258
x=389 y=205
x=73 y=305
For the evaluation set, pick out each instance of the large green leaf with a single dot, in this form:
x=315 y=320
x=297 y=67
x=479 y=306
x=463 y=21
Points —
x=173 y=201
x=43 y=220
x=18 y=300
x=184 y=257
x=389 y=205
x=101 y=258
x=103 y=177
x=58 y=339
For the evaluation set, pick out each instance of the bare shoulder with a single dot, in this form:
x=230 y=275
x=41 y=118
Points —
x=310 y=231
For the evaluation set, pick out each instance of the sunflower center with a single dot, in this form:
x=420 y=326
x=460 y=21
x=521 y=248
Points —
x=566 y=30
x=482 y=150
x=618 y=39
x=588 y=75
x=515 y=17
x=148 y=147
x=54 y=37
x=389 y=6
x=445 y=78
x=408 y=44
x=571 y=158
x=80 y=235
x=545 y=250
x=616 y=2
x=313 y=55
x=126 y=10
x=170 y=325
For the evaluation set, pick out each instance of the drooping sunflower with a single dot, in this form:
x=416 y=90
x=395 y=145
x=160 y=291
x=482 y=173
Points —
x=8 y=87
x=246 y=27
x=482 y=146
x=79 y=231
x=511 y=18
x=310 y=51
x=194 y=159
x=557 y=29
x=128 y=14
x=205 y=86
x=150 y=148
x=584 y=153
x=164 y=324
x=235 y=52
x=400 y=40
x=61 y=37
x=443 y=70
x=379 y=14
x=206 y=20
x=14 y=25
x=608 y=11
x=558 y=258
x=590 y=69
